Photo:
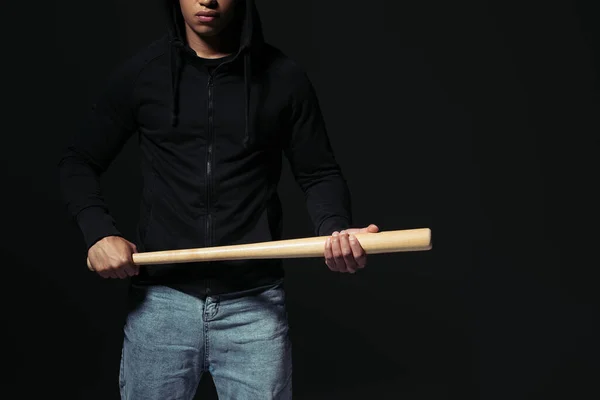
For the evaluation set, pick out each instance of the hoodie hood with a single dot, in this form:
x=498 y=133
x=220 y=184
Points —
x=251 y=39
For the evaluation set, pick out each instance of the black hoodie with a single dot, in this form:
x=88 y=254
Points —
x=211 y=144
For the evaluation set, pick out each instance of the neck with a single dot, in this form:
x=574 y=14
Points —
x=210 y=46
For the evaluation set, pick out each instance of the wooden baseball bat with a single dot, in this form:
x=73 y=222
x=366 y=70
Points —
x=373 y=243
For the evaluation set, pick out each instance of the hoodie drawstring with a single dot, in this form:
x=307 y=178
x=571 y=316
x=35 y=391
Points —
x=175 y=56
x=247 y=86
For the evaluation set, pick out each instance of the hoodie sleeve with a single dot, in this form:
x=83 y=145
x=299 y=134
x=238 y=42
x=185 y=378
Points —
x=312 y=161
x=103 y=132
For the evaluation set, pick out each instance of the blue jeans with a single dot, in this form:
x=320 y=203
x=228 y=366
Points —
x=171 y=338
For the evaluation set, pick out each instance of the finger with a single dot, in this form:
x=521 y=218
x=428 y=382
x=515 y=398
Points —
x=115 y=275
x=130 y=270
x=334 y=246
x=328 y=253
x=105 y=274
x=113 y=272
x=347 y=253
x=120 y=273
x=100 y=270
x=338 y=258
x=358 y=252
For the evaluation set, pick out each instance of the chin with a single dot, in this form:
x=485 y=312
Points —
x=206 y=31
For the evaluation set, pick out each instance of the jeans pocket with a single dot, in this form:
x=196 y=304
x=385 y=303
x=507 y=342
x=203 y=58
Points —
x=274 y=295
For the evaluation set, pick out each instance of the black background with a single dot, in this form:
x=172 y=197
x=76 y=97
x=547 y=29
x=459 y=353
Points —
x=477 y=119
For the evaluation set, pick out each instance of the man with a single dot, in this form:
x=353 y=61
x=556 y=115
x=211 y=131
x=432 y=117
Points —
x=215 y=107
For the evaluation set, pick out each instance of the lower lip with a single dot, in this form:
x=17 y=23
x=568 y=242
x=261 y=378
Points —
x=203 y=18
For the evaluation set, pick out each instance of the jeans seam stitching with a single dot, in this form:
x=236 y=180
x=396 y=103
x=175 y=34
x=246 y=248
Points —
x=206 y=342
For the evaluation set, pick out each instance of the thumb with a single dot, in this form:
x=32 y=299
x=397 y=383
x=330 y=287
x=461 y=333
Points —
x=372 y=228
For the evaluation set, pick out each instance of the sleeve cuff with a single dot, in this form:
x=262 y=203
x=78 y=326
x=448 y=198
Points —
x=333 y=224
x=95 y=223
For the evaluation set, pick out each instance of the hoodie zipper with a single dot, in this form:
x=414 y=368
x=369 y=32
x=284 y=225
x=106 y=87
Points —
x=209 y=161
x=209 y=154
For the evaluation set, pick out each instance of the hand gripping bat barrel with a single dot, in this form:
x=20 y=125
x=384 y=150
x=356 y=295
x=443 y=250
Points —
x=373 y=243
